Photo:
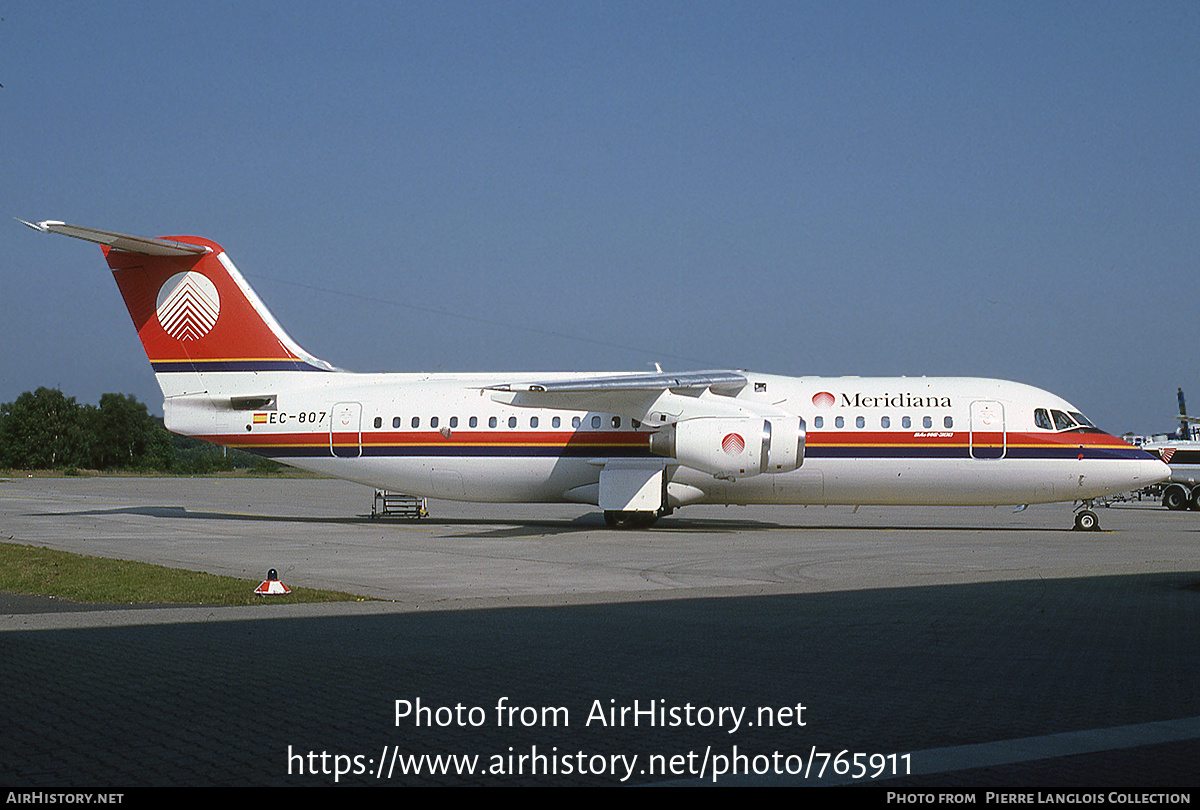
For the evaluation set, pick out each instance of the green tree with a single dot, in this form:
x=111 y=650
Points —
x=42 y=430
x=125 y=436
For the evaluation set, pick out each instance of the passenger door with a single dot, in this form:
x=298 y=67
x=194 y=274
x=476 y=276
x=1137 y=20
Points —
x=988 y=439
x=345 y=430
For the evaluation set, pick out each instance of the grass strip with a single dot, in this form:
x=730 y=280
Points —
x=99 y=580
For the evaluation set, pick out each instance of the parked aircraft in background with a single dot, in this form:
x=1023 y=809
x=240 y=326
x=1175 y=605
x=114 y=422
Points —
x=1183 y=458
x=638 y=445
x=1180 y=452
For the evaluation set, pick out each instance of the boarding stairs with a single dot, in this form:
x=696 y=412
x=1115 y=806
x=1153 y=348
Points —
x=398 y=504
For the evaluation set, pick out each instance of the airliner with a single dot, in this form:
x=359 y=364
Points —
x=638 y=445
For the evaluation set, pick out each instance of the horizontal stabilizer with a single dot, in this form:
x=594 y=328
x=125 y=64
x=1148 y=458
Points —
x=120 y=241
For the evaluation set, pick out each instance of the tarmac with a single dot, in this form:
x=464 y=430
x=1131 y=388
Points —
x=894 y=647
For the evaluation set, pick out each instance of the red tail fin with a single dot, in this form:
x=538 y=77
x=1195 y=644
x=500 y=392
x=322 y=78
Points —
x=192 y=309
x=192 y=314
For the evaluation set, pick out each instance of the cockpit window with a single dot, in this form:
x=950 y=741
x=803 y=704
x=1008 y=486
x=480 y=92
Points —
x=1041 y=418
x=1062 y=421
x=1081 y=419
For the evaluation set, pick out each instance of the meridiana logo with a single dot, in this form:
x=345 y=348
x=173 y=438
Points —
x=188 y=306
x=824 y=399
x=733 y=444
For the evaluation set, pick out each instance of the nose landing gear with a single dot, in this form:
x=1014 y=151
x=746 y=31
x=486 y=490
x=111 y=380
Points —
x=1086 y=520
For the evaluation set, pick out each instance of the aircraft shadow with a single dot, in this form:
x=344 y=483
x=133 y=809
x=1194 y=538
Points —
x=594 y=521
x=505 y=527
x=512 y=527
x=180 y=513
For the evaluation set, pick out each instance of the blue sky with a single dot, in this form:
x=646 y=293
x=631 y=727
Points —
x=988 y=189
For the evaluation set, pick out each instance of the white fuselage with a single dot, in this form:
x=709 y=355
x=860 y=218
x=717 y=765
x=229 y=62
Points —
x=905 y=440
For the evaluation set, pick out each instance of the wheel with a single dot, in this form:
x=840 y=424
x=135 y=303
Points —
x=1086 y=521
x=1194 y=501
x=1175 y=498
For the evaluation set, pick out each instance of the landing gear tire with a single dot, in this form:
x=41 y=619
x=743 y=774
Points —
x=1087 y=521
x=1175 y=499
x=629 y=520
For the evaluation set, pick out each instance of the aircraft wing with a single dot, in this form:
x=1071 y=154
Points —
x=631 y=395
x=725 y=381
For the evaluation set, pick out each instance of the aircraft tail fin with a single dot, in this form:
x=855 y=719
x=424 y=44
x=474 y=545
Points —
x=194 y=312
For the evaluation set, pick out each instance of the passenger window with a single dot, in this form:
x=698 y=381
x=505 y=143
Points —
x=1042 y=419
x=616 y=421
x=818 y=422
x=905 y=423
x=491 y=421
x=636 y=424
x=927 y=422
x=1062 y=421
x=885 y=422
x=416 y=422
x=596 y=421
x=555 y=422
x=474 y=422
x=378 y=421
x=575 y=421
x=839 y=422
x=860 y=422
x=533 y=421
x=453 y=421
x=948 y=421
x=396 y=421
x=512 y=421
x=433 y=421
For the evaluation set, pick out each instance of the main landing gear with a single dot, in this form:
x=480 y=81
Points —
x=1086 y=520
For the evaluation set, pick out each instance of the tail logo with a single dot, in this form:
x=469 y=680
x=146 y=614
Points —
x=188 y=306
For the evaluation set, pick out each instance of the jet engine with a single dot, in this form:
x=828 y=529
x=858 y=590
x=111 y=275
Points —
x=733 y=447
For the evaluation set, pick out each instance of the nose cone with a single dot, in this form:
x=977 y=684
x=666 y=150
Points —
x=1144 y=469
x=1156 y=471
x=1121 y=467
